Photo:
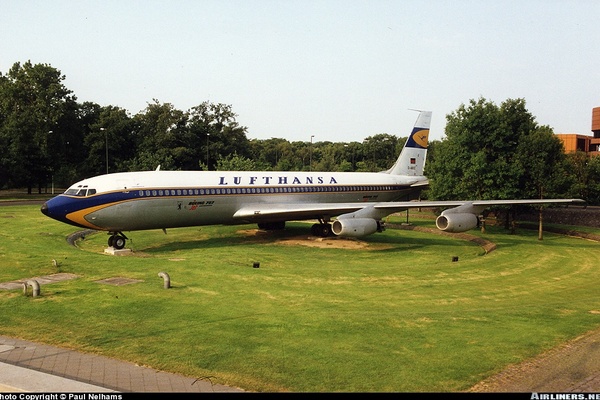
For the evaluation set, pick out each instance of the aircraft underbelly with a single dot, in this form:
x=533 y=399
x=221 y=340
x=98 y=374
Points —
x=161 y=213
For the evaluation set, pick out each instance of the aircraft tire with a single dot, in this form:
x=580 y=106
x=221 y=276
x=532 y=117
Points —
x=326 y=230
x=322 y=230
x=314 y=230
x=118 y=242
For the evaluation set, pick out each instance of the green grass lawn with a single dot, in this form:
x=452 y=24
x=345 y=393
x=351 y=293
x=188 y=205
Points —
x=398 y=315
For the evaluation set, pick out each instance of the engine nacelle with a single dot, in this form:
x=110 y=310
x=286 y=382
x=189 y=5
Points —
x=456 y=222
x=355 y=227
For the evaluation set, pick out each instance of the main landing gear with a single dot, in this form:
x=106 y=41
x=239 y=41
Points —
x=322 y=229
x=117 y=240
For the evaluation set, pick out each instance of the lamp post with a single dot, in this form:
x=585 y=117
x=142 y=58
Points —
x=348 y=147
x=51 y=171
x=207 y=136
x=310 y=162
x=106 y=147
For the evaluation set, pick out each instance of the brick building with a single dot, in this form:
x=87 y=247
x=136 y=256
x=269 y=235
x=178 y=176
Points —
x=588 y=144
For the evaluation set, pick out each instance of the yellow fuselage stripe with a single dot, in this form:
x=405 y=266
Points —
x=79 y=216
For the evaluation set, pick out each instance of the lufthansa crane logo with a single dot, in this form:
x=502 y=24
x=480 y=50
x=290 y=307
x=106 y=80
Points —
x=421 y=137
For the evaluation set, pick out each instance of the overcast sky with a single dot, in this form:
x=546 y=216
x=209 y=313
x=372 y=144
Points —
x=338 y=70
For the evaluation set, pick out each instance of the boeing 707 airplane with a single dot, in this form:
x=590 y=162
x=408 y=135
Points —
x=350 y=204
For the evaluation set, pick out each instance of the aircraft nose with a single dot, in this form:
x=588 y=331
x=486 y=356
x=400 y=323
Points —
x=44 y=208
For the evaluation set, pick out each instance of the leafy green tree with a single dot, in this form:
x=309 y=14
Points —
x=301 y=156
x=579 y=174
x=108 y=139
x=542 y=159
x=215 y=133
x=234 y=162
x=478 y=157
x=65 y=147
x=274 y=154
x=333 y=158
x=593 y=186
x=160 y=138
x=353 y=153
x=5 y=134
x=32 y=101
x=345 y=166
x=284 y=156
x=379 y=152
x=583 y=175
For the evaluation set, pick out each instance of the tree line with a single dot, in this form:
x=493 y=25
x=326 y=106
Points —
x=48 y=138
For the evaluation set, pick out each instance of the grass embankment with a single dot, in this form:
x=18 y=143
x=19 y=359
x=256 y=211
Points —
x=397 y=315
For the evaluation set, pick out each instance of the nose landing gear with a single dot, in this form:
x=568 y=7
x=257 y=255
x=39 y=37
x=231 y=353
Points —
x=117 y=240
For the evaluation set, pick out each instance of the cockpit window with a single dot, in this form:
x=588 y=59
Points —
x=80 y=191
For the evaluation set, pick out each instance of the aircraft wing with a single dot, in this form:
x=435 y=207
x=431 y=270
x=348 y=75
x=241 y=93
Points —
x=285 y=211
x=475 y=203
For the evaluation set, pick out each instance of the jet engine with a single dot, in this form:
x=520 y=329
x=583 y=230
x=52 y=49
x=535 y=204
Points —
x=456 y=222
x=355 y=227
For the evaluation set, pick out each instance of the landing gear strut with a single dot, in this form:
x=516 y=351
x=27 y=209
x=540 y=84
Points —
x=117 y=240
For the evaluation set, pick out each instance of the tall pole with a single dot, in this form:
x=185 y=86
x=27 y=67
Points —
x=310 y=162
x=106 y=147
x=51 y=171
x=207 y=135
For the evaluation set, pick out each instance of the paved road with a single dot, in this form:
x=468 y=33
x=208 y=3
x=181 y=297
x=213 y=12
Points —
x=571 y=367
x=33 y=367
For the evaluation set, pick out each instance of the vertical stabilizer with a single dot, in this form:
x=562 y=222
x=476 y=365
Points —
x=412 y=158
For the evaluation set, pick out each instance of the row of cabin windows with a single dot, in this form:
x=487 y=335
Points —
x=263 y=190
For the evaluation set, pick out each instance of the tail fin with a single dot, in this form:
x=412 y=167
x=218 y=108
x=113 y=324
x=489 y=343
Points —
x=412 y=157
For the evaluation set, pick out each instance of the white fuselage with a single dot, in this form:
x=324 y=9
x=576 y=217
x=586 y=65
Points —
x=165 y=199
